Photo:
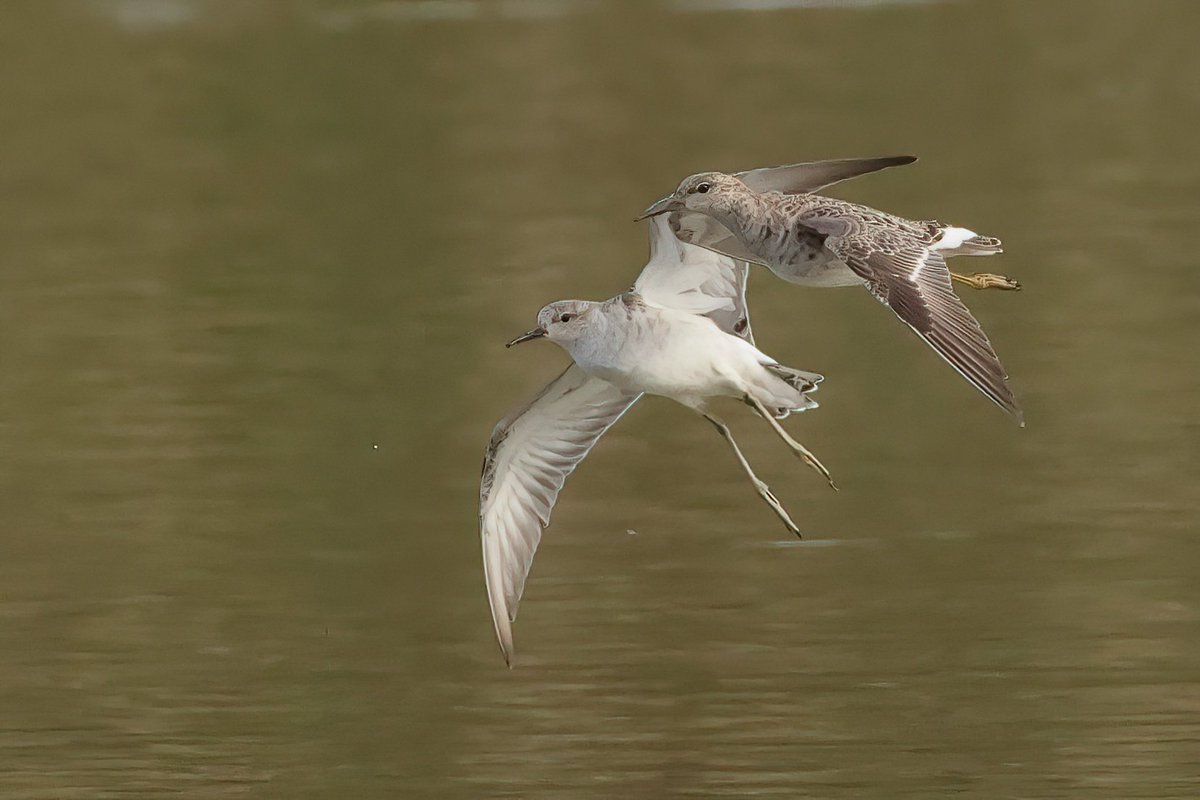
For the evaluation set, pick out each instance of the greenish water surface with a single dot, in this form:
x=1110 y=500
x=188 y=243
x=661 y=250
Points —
x=257 y=264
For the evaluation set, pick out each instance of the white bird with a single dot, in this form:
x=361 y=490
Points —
x=683 y=332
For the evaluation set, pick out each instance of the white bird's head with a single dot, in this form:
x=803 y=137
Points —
x=562 y=322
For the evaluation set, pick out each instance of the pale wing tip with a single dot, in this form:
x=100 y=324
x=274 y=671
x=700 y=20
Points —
x=504 y=636
x=498 y=604
x=506 y=649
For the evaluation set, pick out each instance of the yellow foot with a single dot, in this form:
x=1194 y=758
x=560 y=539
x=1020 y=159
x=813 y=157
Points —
x=986 y=280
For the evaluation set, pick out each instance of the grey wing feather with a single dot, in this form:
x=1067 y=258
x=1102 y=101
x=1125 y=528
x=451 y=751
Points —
x=813 y=176
x=529 y=457
x=685 y=277
x=903 y=273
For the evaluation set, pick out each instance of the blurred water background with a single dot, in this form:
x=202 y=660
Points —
x=257 y=263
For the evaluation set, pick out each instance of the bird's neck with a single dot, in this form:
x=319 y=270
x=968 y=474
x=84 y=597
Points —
x=600 y=337
x=748 y=215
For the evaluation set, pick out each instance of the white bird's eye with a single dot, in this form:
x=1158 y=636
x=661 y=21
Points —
x=703 y=188
x=566 y=318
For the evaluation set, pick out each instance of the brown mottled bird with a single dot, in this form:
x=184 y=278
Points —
x=771 y=217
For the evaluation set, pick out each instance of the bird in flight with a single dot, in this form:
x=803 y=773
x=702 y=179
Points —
x=683 y=332
x=772 y=217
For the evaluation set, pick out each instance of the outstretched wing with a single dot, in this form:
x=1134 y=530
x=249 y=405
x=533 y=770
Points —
x=529 y=457
x=533 y=450
x=683 y=277
x=905 y=272
x=916 y=285
x=812 y=176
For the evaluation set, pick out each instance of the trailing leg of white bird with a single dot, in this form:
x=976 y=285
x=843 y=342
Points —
x=800 y=450
x=763 y=490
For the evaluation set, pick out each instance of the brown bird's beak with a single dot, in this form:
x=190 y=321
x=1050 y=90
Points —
x=668 y=203
x=536 y=333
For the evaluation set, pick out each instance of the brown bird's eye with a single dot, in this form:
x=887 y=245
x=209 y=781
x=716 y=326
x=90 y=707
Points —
x=703 y=188
x=566 y=318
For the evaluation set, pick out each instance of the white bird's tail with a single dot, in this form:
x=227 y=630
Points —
x=803 y=382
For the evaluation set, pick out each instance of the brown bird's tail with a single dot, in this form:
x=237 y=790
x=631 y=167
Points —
x=950 y=240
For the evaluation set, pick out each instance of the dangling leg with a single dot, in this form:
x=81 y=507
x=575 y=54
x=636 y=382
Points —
x=987 y=280
x=763 y=490
x=797 y=448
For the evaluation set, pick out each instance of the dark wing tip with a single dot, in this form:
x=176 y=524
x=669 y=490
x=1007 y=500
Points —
x=1010 y=406
x=916 y=285
x=972 y=357
x=893 y=161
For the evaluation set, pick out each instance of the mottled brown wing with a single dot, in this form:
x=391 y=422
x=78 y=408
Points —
x=914 y=282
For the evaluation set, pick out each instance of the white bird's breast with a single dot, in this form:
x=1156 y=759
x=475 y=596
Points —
x=662 y=352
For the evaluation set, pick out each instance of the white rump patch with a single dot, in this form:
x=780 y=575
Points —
x=953 y=237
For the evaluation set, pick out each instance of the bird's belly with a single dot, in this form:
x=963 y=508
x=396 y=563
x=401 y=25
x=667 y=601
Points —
x=621 y=378
x=646 y=376
x=681 y=380
x=673 y=369
x=813 y=267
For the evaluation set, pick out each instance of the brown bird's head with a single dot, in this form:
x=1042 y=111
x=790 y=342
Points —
x=704 y=192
